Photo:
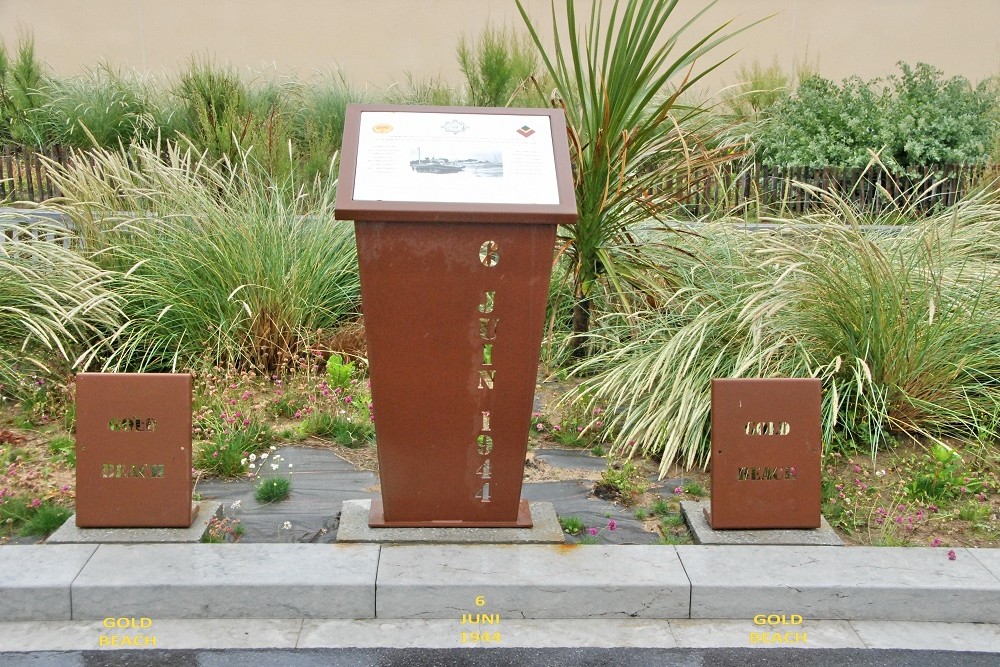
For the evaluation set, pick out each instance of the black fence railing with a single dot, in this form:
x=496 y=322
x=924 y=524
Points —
x=796 y=190
x=751 y=188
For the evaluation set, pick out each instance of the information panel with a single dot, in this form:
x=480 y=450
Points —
x=455 y=157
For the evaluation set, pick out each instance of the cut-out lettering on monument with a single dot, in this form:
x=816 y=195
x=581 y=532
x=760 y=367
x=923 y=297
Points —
x=489 y=256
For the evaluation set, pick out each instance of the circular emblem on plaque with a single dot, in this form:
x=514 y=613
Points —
x=382 y=128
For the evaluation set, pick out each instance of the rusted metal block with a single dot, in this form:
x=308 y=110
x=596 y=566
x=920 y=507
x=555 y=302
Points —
x=133 y=442
x=765 y=453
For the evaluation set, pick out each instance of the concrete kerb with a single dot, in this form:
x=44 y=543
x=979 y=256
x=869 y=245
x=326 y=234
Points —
x=317 y=581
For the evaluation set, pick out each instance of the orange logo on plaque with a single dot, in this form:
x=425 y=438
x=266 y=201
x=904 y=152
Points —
x=382 y=128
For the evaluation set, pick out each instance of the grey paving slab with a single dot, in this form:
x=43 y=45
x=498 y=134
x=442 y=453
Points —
x=863 y=583
x=228 y=581
x=70 y=533
x=447 y=633
x=165 y=634
x=937 y=636
x=707 y=633
x=702 y=532
x=531 y=581
x=35 y=580
x=354 y=528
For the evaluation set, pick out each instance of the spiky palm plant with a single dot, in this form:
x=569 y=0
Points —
x=629 y=137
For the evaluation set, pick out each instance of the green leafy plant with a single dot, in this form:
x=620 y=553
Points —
x=941 y=476
x=619 y=85
x=64 y=448
x=623 y=482
x=694 y=489
x=338 y=373
x=571 y=524
x=660 y=507
x=273 y=489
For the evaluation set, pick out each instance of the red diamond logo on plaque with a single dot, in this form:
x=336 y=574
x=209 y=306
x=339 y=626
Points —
x=525 y=131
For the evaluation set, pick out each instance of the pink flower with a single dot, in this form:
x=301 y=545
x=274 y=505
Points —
x=247 y=394
x=952 y=555
x=35 y=502
x=678 y=490
x=936 y=542
x=612 y=525
x=65 y=488
x=592 y=531
x=298 y=414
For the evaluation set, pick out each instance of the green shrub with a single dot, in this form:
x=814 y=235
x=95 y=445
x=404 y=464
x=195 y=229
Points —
x=497 y=66
x=273 y=489
x=23 y=96
x=917 y=118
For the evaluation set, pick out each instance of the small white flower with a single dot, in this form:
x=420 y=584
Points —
x=274 y=466
x=289 y=465
x=243 y=461
x=252 y=466
x=263 y=456
x=236 y=505
x=287 y=525
x=273 y=447
x=253 y=457
x=880 y=473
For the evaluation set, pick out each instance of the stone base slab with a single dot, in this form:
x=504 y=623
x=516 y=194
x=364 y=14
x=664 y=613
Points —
x=703 y=533
x=354 y=528
x=70 y=533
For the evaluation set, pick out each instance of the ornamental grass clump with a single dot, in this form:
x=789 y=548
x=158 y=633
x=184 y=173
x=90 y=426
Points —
x=208 y=265
x=52 y=302
x=900 y=328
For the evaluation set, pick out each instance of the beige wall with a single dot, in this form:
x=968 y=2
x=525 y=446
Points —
x=378 y=41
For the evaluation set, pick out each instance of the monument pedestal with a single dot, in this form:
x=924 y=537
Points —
x=354 y=527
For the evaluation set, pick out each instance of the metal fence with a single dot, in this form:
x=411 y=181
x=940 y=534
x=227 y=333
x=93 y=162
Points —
x=798 y=190
x=24 y=177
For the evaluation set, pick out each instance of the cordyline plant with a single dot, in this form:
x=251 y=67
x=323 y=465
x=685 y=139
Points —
x=630 y=138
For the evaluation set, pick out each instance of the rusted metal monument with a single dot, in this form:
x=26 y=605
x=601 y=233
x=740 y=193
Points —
x=455 y=213
x=133 y=443
x=765 y=453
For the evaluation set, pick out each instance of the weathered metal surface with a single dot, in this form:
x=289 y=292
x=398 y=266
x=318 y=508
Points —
x=454 y=298
x=453 y=340
x=133 y=442
x=765 y=453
